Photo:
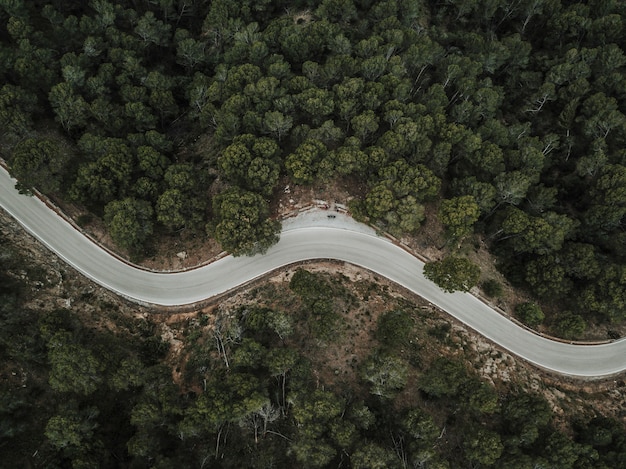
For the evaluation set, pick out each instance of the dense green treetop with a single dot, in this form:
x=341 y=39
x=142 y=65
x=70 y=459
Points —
x=453 y=273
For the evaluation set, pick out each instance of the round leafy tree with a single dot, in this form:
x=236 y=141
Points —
x=242 y=224
x=571 y=326
x=129 y=222
x=530 y=314
x=453 y=273
x=492 y=288
x=39 y=163
x=459 y=215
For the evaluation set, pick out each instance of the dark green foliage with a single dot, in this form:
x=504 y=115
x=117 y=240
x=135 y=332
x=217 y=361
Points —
x=74 y=369
x=492 y=288
x=561 y=450
x=607 y=296
x=130 y=222
x=513 y=115
x=441 y=331
x=241 y=223
x=257 y=401
x=372 y=455
x=481 y=398
x=385 y=374
x=530 y=314
x=319 y=298
x=251 y=163
x=152 y=349
x=55 y=362
x=482 y=446
x=524 y=416
x=71 y=431
x=302 y=163
x=443 y=379
x=16 y=109
x=453 y=273
x=39 y=164
x=394 y=328
x=512 y=112
x=309 y=286
x=570 y=326
x=459 y=215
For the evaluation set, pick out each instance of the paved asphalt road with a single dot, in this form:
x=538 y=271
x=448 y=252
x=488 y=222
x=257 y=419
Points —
x=312 y=236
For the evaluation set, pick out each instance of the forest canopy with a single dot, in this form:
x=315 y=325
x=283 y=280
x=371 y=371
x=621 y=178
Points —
x=510 y=113
x=504 y=119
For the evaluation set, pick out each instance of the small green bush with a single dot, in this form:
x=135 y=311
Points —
x=570 y=326
x=394 y=328
x=492 y=288
x=440 y=331
x=530 y=314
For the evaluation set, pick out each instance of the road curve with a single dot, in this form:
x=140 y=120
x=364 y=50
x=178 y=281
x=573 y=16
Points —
x=307 y=237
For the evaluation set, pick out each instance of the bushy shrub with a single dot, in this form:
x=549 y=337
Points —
x=529 y=313
x=492 y=288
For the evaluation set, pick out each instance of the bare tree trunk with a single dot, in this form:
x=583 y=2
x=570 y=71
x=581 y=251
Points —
x=217 y=443
x=284 y=403
x=220 y=347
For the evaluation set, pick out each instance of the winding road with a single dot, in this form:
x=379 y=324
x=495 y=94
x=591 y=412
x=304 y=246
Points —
x=306 y=237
